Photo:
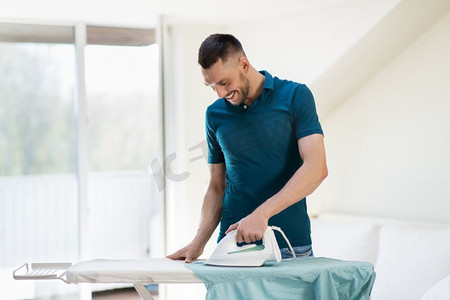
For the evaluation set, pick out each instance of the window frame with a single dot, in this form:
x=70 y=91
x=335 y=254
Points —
x=80 y=35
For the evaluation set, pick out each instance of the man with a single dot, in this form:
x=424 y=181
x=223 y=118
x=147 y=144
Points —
x=265 y=150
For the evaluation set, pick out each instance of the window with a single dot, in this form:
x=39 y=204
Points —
x=122 y=138
x=40 y=154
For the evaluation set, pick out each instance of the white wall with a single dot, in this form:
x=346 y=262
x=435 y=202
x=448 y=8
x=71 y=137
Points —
x=388 y=145
x=302 y=46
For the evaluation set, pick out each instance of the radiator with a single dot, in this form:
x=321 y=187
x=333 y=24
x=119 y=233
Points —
x=39 y=217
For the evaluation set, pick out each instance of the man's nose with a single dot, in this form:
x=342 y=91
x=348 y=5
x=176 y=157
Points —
x=221 y=91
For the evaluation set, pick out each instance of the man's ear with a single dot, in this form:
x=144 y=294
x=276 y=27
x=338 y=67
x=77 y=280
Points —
x=244 y=64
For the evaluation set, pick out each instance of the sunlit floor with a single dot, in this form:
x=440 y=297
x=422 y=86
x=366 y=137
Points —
x=120 y=294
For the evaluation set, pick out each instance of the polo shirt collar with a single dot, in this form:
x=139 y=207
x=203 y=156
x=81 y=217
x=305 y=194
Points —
x=268 y=83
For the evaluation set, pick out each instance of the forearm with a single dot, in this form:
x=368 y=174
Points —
x=210 y=215
x=304 y=181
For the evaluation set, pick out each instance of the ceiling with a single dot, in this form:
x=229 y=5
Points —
x=232 y=11
x=143 y=13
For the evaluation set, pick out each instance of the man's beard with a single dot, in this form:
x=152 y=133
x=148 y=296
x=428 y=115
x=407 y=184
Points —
x=244 y=91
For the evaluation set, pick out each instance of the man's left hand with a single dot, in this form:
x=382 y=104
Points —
x=251 y=228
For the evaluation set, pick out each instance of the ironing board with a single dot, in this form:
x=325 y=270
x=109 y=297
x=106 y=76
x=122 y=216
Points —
x=163 y=270
x=139 y=272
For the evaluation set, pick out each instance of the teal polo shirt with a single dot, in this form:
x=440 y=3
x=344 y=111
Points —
x=259 y=147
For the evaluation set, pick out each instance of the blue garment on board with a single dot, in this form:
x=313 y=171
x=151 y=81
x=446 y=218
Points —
x=259 y=146
x=304 y=278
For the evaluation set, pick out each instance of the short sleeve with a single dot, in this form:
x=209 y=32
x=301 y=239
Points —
x=306 y=121
x=215 y=154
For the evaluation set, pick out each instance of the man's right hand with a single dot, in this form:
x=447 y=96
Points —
x=189 y=253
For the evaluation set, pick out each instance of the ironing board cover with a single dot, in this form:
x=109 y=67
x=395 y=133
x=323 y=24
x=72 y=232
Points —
x=153 y=270
x=303 y=278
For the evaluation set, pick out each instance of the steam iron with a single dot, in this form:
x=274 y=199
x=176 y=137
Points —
x=228 y=253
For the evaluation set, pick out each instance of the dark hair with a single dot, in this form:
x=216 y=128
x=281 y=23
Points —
x=217 y=46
